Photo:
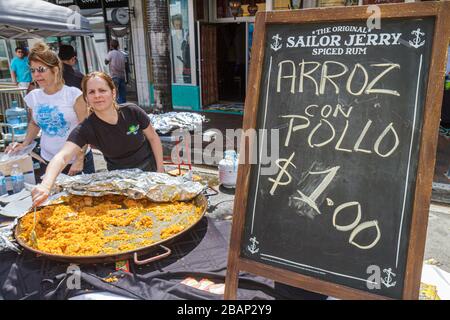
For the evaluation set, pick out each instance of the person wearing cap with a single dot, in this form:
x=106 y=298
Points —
x=68 y=57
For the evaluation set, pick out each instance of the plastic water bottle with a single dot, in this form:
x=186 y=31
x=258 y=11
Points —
x=3 y=189
x=17 y=117
x=17 y=179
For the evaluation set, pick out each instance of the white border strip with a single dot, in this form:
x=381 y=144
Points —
x=262 y=143
x=409 y=161
x=304 y=266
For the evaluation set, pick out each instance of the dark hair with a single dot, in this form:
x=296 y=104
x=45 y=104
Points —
x=114 y=44
x=66 y=52
x=20 y=48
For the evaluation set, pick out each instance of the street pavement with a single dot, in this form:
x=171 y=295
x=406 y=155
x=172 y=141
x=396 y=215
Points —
x=438 y=236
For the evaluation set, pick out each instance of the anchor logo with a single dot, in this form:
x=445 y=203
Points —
x=276 y=45
x=417 y=42
x=253 y=248
x=387 y=281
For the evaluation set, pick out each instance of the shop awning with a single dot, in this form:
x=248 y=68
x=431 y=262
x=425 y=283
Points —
x=25 y=19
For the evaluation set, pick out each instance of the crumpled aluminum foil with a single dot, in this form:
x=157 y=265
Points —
x=133 y=183
x=167 y=122
x=7 y=241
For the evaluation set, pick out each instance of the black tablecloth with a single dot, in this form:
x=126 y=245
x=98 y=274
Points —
x=201 y=253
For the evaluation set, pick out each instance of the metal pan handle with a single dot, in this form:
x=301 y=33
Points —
x=213 y=193
x=152 y=259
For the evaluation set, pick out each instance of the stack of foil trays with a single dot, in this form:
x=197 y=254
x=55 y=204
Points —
x=7 y=241
x=133 y=183
x=170 y=121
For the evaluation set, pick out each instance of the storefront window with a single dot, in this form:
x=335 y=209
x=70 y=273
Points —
x=5 y=73
x=181 y=52
x=223 y=8
x=285 y=4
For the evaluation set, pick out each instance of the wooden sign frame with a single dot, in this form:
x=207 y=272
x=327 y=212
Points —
x=427 y=151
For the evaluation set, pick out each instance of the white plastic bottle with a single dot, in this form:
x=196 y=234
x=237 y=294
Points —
x=17 y=179
x=228 y=169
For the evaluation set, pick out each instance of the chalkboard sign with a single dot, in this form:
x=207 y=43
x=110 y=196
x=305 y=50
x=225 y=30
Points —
x=338 y=210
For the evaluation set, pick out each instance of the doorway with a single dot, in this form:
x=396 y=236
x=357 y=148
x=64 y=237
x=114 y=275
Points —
x=223 y=60
x=231 y=62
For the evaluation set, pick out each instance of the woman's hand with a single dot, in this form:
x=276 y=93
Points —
x=39 y=194
x=14 y=147
x=161 y=170
x=76 y=168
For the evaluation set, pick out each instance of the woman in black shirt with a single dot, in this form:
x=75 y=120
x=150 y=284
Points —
x=123 y=134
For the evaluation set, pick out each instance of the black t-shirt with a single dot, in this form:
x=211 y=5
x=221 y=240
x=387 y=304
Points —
x=123 y=145
x=72 y=77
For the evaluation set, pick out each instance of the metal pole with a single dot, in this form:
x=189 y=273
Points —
x=105 y=19
x=83 y=48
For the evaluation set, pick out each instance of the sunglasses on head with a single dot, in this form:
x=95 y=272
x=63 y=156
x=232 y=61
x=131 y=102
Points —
x=39 y=69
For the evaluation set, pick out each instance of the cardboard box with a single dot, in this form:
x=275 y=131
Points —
x=25 y=165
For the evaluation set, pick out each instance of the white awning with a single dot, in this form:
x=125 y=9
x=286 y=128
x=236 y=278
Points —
x=25 y=19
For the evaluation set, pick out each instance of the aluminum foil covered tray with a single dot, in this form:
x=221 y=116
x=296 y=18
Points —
x=167 y=122
x=133 y=183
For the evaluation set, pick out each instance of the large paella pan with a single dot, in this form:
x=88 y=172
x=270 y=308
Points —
x=85 y=229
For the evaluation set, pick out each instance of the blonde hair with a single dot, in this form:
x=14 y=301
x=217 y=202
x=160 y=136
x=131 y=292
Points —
x=41 y=52
x=109 y=81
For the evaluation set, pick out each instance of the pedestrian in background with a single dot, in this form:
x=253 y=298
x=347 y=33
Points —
x=117 y=70
x=20 y=69
x=72 y=77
